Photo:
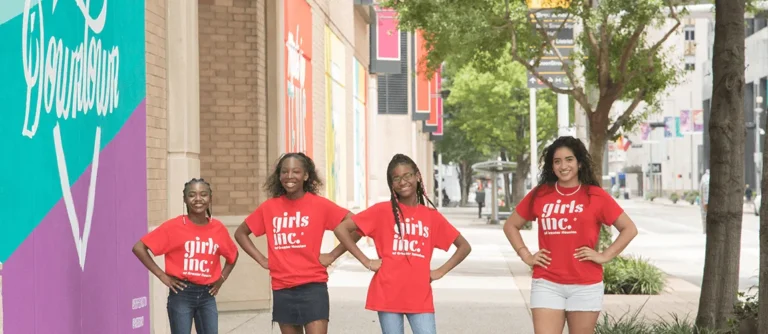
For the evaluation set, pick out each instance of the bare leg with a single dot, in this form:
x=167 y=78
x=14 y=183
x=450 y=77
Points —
x=317 y=327
x=548 y=321
x=582 y=322
x=291 y=329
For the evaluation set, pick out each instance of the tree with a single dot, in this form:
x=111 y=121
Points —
x=456 y=147
x=494 y=114
x=727 y=134
x=616 y=60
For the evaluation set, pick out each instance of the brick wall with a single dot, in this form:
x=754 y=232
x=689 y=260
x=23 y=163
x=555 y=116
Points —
x=233 y=141
x=157 y=110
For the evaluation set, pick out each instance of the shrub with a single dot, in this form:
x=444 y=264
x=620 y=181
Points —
x=691 y=196
x=632 y=276
x=674 y=197
x=616 y=194
x=745 y=313
x=632 y=324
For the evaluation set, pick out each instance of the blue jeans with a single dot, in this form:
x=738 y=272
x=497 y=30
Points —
x=193 y=303
x=421 y=323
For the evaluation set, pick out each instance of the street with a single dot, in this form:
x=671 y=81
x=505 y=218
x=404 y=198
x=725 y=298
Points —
x=671 y=237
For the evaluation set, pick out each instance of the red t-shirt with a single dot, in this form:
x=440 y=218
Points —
x=567 y=223
x=294 y=230
x=192 y=252
x=402 y=283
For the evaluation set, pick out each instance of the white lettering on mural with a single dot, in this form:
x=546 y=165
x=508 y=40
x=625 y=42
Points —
x=138 y=322
x=296 y=108
x=74 y=81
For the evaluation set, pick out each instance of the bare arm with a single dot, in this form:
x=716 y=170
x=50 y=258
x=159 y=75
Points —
x=627 y=232
x=344 y=233
x=341 y=249
x=462 y=250
x=241 y=236
x=228 y=267
x=512 y=230
x=142 y=252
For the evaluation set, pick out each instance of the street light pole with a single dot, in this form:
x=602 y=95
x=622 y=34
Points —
x=758 y=152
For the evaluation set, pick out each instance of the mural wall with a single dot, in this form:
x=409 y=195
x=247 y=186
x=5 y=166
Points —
x=75 y=198
x=298 y=75
x=359 y=135
x=335 y=60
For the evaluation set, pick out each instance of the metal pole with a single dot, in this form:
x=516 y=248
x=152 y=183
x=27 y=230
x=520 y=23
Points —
x=563 y=121
x=494 y=200
x=758 y=153
x=439 y=180
x=534 y=142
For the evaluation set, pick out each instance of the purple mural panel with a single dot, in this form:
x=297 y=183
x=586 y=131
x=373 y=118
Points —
x=45 y=290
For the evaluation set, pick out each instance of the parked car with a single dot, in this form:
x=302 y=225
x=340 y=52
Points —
x=756 y=204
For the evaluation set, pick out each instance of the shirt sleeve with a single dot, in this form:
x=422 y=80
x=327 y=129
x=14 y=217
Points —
x=334 y=214
x=609 y=208
x=229 y=251
x=255 y=221
x=444 y=233
x=524 y=208
x=368 y=219
x=158 y=240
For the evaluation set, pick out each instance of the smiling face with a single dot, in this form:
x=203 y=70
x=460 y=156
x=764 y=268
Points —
x=197 y=196
x=292 y=176
x=405 y=181
x=566 y=167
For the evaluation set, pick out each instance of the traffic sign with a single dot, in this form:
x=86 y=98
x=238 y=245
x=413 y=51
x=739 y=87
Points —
x=559 y=29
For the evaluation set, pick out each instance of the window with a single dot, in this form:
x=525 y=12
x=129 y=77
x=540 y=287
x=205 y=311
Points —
x=690 y=67
x=690 y=34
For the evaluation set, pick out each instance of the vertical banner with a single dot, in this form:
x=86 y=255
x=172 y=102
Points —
x=387 y=35
x=672 y=127
x=435 y=109
x=686 y=121
x=75 y=196
x=336 y=109
x=645 y=131
x=359 y=144
x=698 y=121
x=298 y=76
x=421 y=83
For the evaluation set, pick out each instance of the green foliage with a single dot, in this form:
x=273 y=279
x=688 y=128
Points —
x=632 y=276
x=455 y=145
x=745 y=314
x=691 y=196
x=619 y=57
x=493 y=109
x=605 y=238
x=634 y=324
x=674 y=197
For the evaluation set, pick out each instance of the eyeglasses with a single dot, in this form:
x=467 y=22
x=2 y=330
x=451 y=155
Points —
x=406 y=177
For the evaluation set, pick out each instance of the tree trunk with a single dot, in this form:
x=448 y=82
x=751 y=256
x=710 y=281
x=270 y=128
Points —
x=507 y=199
x=726 y=186
x=518 y=181
x=762 y=317
x=465 y=179
x=598 y=125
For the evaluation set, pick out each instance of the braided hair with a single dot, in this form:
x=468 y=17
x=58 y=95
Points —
x=421 y=193
x=312 y=185
x=210 y=191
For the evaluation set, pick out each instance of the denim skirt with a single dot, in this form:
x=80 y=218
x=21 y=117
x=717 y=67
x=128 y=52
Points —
x=301 y=304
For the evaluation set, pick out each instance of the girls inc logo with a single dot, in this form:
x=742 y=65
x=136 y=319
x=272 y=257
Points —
x=403 y=244
x=559 y=225
x=194 y=266
x=284 y=229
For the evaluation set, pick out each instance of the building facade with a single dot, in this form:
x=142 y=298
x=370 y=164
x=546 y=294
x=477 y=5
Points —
x=113 y=108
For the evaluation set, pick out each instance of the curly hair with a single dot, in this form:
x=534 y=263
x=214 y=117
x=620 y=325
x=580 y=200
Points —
x=312 y=185
x=421 y=193
x=586 y=174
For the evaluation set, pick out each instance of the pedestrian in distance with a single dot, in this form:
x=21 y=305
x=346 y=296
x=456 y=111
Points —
x=480 y=199
x=405 y=231
x=193 y=245
x=570 y=207
x=704 y=199
x=294 y=220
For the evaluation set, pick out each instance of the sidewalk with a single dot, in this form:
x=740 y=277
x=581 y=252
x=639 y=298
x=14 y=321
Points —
x=488 y=293
x=747 y=207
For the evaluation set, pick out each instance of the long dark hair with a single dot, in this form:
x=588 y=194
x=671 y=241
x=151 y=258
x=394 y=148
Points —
x=421 y=194
x=312 y=185
x=548 y=177
x=208 y=211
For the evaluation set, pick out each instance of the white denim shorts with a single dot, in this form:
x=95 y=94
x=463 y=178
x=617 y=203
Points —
x=568 y=297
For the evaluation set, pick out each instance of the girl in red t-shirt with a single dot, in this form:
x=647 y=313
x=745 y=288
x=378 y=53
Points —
x=294 y=220
x=405 y=232
x=193 y=245
x=569 y=206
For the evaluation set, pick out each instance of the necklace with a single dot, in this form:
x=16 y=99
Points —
x=575 y=191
